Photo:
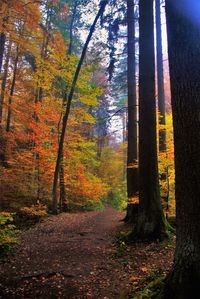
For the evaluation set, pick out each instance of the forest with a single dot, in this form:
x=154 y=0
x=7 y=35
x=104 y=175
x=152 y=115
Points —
x=99 y=149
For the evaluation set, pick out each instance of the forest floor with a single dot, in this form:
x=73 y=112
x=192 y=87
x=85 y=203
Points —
x=76 y=256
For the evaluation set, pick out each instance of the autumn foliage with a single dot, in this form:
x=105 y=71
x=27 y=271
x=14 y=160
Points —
x=36 y=72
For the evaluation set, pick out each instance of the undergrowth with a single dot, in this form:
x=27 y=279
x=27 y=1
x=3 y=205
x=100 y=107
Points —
x=28 y=216
x=8 y=232
x=151 y=286
x=94 y=206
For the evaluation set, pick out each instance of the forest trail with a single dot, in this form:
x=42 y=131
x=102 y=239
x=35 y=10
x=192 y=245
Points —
x=74 y=256
x=68 y=256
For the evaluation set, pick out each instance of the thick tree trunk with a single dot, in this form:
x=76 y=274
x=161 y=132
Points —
x=124 y=121
x=4 y=80
x=69 y=100
x=150 y=224
x=10 y=100
x=124 y=135
x=132 y=154
x=184 y=59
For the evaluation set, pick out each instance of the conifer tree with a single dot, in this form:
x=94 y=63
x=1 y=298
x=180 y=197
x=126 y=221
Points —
x=132 y=153
x=183 y=29
x=160 y=79
x=150 y=224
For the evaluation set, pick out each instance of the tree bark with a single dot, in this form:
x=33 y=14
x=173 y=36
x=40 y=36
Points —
x=132 y=153
x=101 y=126
x=2 y=41
x=150 y=224
x=184 y=59
x=63 y=197
x=4 y=80
x=69 y=100
x=2 y=46
x=10 y=100
x=160 y=80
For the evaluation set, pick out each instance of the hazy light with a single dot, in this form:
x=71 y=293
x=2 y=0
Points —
x=189 y=8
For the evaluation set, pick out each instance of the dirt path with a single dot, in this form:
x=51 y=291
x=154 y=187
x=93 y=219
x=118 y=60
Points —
x=69 y=256
x=73 y=256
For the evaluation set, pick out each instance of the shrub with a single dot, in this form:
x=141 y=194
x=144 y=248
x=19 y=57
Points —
x=28 y=216
x=8 y=232
x=94 y=206
x=118 y=199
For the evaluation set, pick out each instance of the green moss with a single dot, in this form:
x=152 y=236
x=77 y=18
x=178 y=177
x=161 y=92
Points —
x=152 y=289
x=169 y=228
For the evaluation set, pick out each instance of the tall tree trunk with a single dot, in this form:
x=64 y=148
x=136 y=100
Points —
x=160 y=79
x=69 y=100
x=124 y=120
x=2 y=41
x=4 y=80
x=124 y=135
x=2 y=46
x=45 y=42
x=183 y=29
x=38 y=177
x=161 y=94
x=71 y=28
x=150 y=224
x=45 y=45
x=39 y=90
x=101 y=126
x=63 y=195
x=10 y=100
x=132 y=154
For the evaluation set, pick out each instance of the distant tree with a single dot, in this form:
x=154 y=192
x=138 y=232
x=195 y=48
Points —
x=12 y=88
x=45 y=42
x=2 y=46
x=4 y=79
x=183 y=28
x=102 y=124
x=150 y=224
x=3 y=24
x=160 y=78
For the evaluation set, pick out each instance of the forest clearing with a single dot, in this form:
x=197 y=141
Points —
x=99 y=149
